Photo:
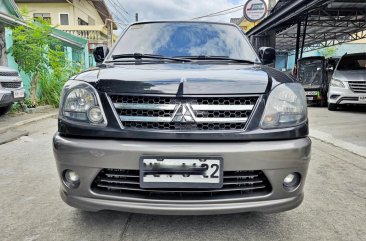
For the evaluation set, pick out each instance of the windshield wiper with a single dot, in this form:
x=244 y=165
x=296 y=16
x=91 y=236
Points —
x=139 y=56
x=206 y=57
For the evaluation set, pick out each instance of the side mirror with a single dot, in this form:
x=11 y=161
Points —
x=100 y=52
x=267 y=55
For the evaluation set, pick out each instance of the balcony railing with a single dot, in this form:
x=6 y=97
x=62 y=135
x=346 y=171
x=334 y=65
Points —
x=93 y=33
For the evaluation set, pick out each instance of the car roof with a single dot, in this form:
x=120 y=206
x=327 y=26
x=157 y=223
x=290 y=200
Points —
x=184 y=21
x=312 y=57
x=356 y=54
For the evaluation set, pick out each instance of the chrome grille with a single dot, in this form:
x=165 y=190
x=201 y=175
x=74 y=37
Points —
x=127 y=183
x=11 y=85
x=184 y=114
x=9 y=73
x=358 y=86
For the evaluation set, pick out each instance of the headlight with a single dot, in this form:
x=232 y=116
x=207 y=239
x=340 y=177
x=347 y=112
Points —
x=286 y=107
x=80 y=102
x=337 y=83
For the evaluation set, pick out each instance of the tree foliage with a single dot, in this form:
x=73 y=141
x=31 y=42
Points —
x=43 y=58
x=328 y=51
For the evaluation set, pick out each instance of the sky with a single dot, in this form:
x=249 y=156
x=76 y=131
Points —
x=172 y=9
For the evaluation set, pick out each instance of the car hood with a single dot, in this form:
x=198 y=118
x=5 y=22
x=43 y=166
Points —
x=350 y=75
x=184 y=79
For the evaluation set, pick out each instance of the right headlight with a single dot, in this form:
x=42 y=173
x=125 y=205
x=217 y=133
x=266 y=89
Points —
x=80 y=102
x=337 y=83
x=286 y=107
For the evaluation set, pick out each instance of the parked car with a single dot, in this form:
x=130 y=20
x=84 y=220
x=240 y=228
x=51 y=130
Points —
x=312 y=74
x=11 y=88
x=348 y=83
x=182 y=118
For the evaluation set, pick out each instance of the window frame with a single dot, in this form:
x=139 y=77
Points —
x=43 y=17
x=68 y=19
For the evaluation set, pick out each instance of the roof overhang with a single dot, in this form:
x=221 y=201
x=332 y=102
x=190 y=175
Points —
x=328 y=22
x=103 y=11
x=12 y=21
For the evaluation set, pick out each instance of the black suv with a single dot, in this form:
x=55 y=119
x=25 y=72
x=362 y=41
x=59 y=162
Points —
x=182 y=118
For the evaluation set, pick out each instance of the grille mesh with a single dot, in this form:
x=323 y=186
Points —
x=11 y=85
x=237 y=184
x=358 y=86
x=184 y=114
x=9 y=73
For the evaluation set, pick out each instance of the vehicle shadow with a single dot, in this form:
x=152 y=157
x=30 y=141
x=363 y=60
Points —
x=212 y=227
x=353 y=108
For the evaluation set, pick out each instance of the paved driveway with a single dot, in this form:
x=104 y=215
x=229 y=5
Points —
x=31 y=209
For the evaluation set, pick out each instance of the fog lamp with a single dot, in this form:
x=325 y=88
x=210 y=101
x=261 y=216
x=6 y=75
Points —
x=95 y=115
x=291 y=181
x=71 y=179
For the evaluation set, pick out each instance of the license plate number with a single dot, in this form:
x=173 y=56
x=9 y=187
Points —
x=18 y=93
x=310 y=98
x=166 y=172
x=362 y=98
x=312 y=93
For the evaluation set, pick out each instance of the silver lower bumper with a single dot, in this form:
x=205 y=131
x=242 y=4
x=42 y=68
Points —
x=275 y=158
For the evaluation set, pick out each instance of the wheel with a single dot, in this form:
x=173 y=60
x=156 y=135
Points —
x=323 y=103
x=4 y=109
x=332 y=107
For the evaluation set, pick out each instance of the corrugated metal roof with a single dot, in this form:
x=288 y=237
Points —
x=329 y=22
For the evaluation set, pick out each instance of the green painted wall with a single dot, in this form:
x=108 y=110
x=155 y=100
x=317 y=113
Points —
x=11 y=61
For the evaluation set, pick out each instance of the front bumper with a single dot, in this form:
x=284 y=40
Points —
x=7 y=97
x=344 y=96
x=275 y=158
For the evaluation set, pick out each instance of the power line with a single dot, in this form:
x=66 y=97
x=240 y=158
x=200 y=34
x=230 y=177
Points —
x=120 y=4
x=233 y=11
x=116 y=8
x=215 y=13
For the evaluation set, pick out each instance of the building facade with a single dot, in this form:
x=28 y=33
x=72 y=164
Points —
x=87 y=19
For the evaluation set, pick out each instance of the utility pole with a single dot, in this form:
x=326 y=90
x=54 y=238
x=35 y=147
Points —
x=136 y=17
x=109 y=31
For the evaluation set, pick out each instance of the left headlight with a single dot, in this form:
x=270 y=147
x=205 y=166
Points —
x=80 y=102
x=286 y=107
x=336 y=83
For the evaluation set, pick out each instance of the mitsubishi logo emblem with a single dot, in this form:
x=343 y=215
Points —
x=183 y=114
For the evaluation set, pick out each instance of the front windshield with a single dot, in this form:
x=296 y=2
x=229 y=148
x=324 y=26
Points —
x=310 y=71
x=172 y=39
x=353 y=62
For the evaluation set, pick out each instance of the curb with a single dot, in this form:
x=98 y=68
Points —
x=28 y=121
x=329 y=139
x=10 y=136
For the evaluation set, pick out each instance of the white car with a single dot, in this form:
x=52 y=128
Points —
x=348 y=83
x=11 y=88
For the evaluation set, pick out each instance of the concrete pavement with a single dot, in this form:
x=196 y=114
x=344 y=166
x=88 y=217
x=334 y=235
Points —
x=31 y=209
x=345 y=128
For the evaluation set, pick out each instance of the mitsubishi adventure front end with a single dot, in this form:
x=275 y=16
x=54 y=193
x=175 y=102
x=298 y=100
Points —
x=182 y=118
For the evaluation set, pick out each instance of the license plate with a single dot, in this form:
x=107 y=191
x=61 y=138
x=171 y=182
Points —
x=18 y=93
x=167 y=172
x=362 y=98
x=310 y=98
x=311 y=93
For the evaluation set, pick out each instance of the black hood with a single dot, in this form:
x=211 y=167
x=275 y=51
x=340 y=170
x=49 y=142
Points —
x=183 y=79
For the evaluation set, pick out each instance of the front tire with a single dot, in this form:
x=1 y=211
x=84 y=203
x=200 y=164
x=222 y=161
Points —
x=4 y=109
x=332 y=107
